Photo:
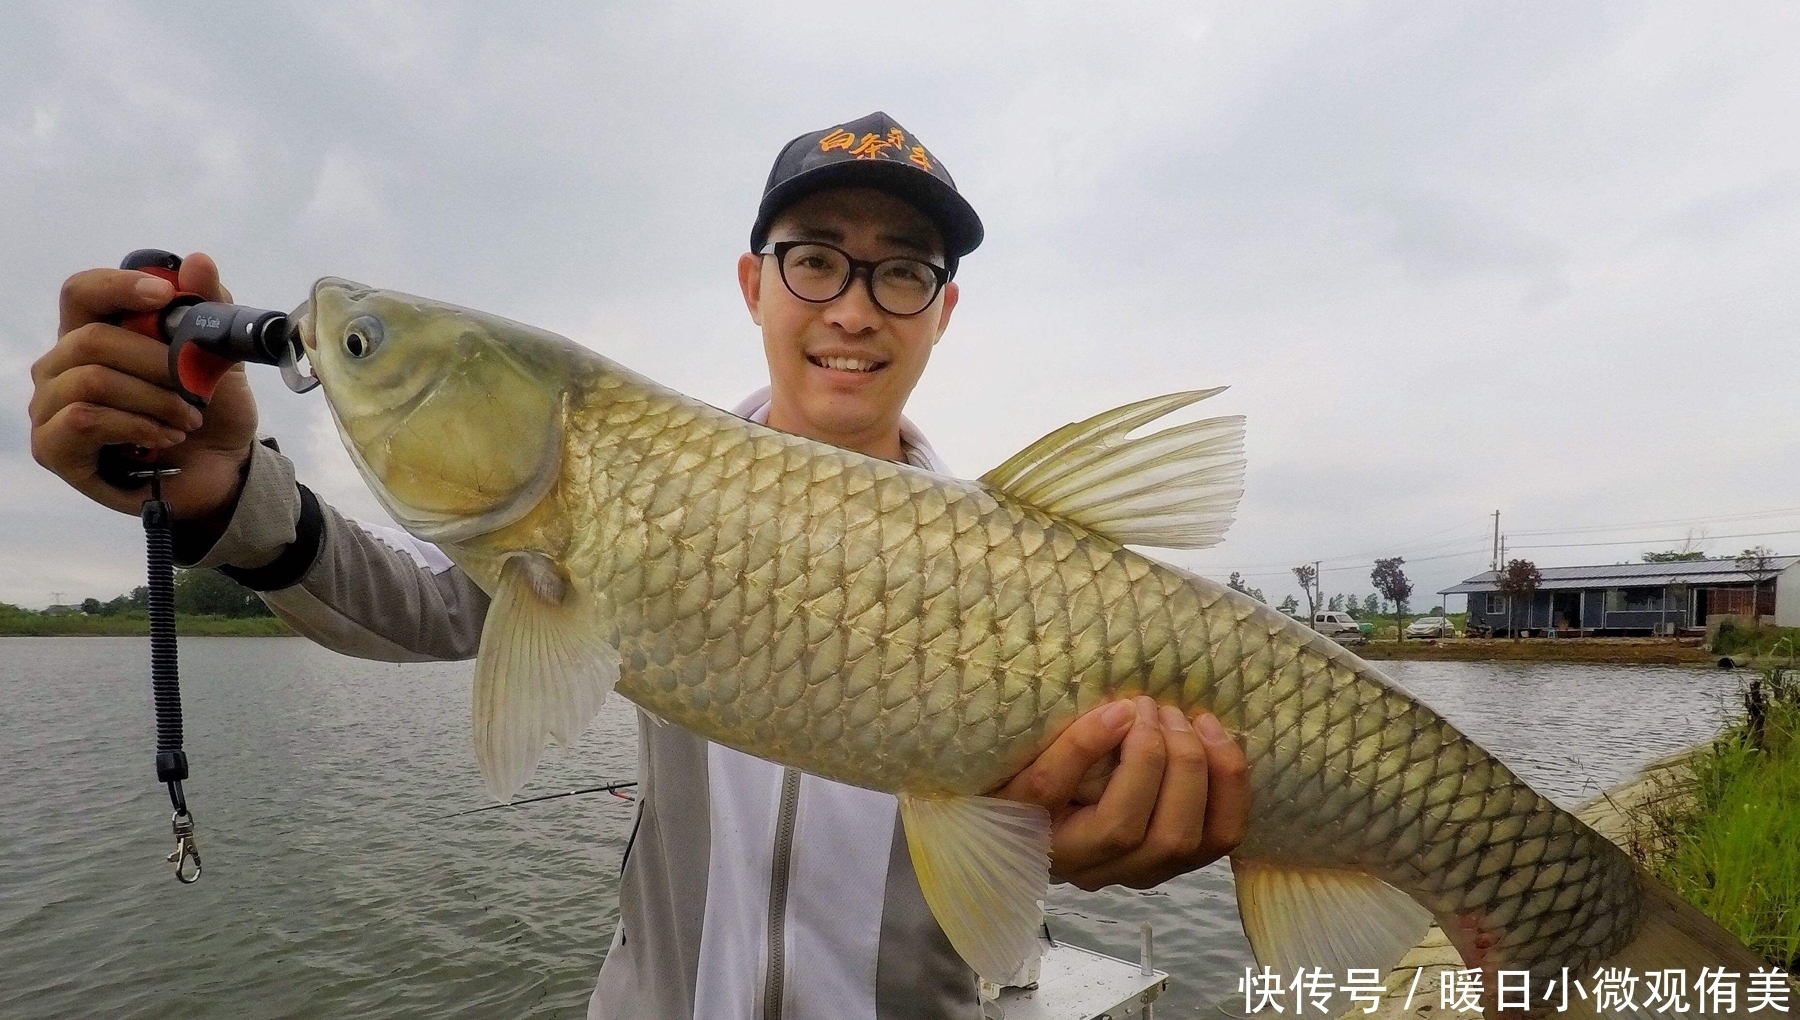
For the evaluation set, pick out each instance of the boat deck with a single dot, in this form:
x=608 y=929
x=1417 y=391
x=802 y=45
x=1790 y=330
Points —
x=1078 y=984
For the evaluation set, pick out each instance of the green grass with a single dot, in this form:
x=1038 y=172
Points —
x=1732 y=848
x=16 y=622
x=1780 y=645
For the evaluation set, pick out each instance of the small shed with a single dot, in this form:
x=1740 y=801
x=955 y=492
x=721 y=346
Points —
x=1636 y=598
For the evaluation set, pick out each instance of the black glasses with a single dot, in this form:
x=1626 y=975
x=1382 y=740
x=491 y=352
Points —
x=818 y=272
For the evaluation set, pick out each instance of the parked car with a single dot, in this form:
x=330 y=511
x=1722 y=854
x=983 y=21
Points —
x=1431 y=626
x=1339 y=627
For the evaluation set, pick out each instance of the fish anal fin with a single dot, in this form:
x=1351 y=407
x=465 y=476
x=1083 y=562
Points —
x=542 y=673
x=1299 y=918
x=984 y=867
x=1177 y=488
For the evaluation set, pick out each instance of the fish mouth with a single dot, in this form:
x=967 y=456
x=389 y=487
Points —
x=305 y=318
x=859 y=364
x=302 y=319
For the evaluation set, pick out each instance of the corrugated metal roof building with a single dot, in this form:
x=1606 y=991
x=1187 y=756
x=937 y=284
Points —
x=1635 y=598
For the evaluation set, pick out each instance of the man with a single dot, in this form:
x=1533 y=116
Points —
x=749 y=890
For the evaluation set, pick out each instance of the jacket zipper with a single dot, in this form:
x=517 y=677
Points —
x=773 y=983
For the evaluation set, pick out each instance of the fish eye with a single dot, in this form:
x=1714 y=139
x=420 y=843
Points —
x=362 y=336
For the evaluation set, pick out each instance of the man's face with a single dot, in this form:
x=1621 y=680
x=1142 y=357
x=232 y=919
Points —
x=842 y=370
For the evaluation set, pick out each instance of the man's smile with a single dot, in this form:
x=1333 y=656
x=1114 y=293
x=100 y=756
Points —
x=863 y=364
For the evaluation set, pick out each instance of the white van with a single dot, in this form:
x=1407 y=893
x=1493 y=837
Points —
x=1337 y=626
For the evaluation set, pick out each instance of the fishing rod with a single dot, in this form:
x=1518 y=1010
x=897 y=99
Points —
x=205 y=339
x=612 y=788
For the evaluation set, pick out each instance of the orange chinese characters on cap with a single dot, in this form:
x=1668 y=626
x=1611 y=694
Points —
x=869 y=152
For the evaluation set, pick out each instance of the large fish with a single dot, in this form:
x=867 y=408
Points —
x=908 y=632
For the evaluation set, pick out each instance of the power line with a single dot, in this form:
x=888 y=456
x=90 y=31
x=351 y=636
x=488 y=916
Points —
x=1334 y=564
x=1270 y=569
x=1719 y=519
x=1360 y=566
x=1655 y=541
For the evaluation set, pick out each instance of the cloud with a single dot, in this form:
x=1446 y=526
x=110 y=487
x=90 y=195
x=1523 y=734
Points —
x=1450 y=258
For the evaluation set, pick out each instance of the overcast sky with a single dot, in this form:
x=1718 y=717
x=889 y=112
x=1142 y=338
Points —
x=1451 y=258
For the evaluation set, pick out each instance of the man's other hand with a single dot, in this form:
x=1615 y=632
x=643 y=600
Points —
x=1177 y=799
x=103 y=385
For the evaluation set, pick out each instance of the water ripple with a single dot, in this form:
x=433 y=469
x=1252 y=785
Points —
x=335 y=886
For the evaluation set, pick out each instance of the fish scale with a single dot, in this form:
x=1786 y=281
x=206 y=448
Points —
x=1313 y=719
x=903 y=631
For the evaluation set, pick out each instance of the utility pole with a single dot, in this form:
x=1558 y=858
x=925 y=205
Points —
x=1496 y=563
x=1500 y=558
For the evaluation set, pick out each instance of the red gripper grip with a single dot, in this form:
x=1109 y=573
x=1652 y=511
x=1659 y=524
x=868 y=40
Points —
x=197 y=372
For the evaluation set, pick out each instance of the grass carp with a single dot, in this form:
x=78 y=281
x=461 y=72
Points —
x=899 y=630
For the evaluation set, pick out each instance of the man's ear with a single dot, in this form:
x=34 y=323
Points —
x=750 y=282
x=951 y=293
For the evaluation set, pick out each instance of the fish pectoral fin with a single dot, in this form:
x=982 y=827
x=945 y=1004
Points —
x=543 y=671
x=1176 y=489
x=984 y=867
x=1300 y=918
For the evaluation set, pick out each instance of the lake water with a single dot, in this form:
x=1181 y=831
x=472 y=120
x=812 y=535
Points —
x=335 y=886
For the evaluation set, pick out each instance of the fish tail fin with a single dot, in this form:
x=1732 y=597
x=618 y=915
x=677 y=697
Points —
x=1673 y=934
x=983 y=865
x=541 y=674
x=1671 y=928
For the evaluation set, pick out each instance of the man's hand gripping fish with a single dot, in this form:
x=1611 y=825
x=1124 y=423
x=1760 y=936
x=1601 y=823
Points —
x=899 y=630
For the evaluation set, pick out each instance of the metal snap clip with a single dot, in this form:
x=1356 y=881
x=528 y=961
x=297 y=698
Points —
x=185 y=849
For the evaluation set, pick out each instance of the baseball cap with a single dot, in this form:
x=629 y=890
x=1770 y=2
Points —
x=870 y=152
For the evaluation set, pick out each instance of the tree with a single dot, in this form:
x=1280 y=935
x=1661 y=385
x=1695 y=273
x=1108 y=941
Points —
x=1371 y=605
x=1237 y=583
x=210 y=593
x=1687 y=551
x=1391 y=582
x=1758 y=562
x=1335 y=604
x=1517 y=582
x=1308 y=576
x=91 y=607
x=1289 y=605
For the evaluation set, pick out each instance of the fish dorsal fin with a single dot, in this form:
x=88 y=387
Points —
x=1177 y=488
x=541 y=675
x=984 y=867
x=1300 y=918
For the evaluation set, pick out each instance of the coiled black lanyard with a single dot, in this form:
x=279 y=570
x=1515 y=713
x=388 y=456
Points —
x=165 y=675
x=205 y=338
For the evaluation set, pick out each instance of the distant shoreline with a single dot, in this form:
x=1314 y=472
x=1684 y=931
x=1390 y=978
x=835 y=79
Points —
x=1624 y=651
x=1627 y=651
x=81 y=625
